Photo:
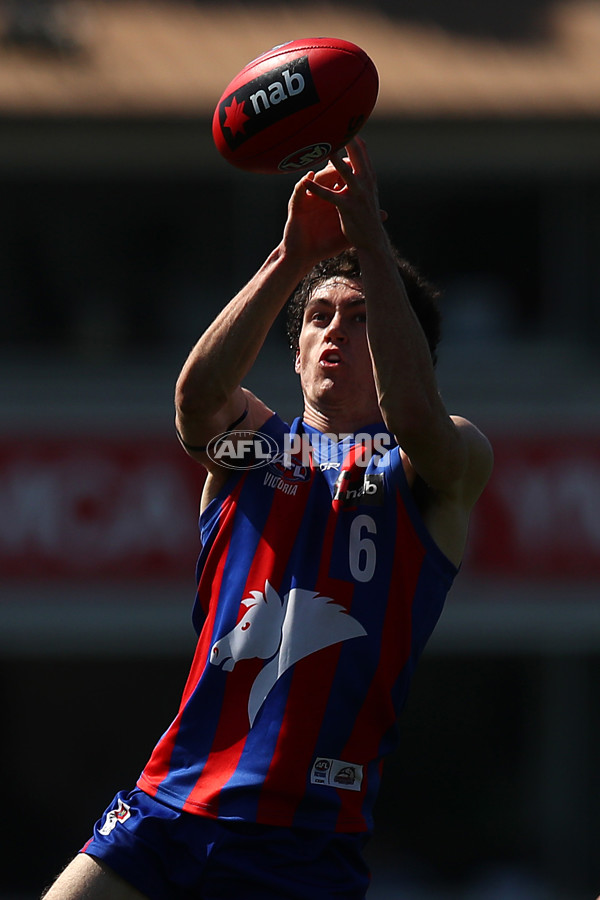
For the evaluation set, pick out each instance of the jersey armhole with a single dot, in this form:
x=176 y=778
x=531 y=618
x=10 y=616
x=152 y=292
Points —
x=274 y=427
x=396 y=476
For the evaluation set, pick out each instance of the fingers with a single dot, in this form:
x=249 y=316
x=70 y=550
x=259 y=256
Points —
x=349 y=160
x=345 y=170
x=342 y=164
x=328 y=176
x=360 y=159
x=302 y=188
x=324 y=193
x=327 y=183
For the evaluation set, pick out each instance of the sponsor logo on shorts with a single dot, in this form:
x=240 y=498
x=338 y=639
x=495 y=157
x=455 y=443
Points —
x=337 y=774
x=115 y=817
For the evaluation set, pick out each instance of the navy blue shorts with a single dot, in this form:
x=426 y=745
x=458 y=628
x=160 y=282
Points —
x=170 y=855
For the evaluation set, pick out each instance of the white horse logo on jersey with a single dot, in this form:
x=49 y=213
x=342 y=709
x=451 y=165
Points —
x=282 y=631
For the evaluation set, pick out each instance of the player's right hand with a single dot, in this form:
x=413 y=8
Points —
x=313 y=229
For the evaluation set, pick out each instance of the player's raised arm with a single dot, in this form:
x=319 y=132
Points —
x=450 y=456
x=209 y=398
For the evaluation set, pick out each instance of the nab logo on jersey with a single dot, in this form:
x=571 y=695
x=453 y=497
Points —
x=282 y=630
x=365 y=491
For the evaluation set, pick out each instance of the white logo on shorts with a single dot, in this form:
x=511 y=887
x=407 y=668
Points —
x=120 y=814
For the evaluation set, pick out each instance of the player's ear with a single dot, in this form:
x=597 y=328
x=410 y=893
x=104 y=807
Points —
x=297 y=362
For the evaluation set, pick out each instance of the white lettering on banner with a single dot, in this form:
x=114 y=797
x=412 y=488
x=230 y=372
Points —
x=92 y=511
x=27 y=503
x=114 y=507
x=553 y=504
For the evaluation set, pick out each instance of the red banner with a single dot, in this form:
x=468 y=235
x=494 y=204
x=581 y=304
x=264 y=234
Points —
x=128 y=508
x=539 y=517
x=98 y=507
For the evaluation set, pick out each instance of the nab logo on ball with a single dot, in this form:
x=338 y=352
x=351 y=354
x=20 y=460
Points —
x=267 y=99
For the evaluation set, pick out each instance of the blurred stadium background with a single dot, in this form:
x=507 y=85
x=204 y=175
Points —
x=121 y=234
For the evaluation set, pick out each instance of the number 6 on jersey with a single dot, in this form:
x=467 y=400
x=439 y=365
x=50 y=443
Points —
x=362 y=550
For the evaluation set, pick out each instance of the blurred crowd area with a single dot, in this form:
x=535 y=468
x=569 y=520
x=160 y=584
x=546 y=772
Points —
x=112 y=266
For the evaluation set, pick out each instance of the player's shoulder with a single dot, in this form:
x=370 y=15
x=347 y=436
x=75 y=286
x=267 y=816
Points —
x=476 y=442
x=446 y=512
x=479 y=459
x=476 y=470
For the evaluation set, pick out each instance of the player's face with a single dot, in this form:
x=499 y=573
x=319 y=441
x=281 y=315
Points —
x=333 y=358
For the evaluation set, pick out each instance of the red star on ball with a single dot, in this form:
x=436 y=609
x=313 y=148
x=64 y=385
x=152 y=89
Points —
x=236 y=117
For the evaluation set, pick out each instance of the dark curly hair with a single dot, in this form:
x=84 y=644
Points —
x=423 y=296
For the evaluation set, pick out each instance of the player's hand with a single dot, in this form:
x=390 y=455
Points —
x=313 y=230
x=354 y=196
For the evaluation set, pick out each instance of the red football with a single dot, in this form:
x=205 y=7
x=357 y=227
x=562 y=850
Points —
x=292 y=107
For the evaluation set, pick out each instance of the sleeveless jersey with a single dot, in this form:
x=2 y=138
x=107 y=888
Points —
x=318 y=587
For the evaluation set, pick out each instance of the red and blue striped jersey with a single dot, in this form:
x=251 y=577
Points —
x=318 y=587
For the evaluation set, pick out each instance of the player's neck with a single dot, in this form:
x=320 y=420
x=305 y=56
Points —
x=337 y=422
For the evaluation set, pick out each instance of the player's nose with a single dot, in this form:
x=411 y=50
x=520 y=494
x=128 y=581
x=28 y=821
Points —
x=335 y=330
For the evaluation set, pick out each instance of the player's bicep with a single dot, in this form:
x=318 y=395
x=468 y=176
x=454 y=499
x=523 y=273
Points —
x=244 y=412
x=197 y=428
